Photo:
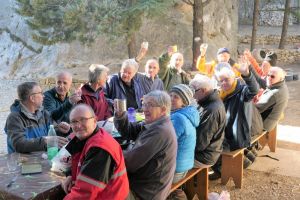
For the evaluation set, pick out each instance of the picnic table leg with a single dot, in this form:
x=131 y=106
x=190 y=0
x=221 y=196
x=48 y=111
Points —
x=272 y=141
x=198 y=185
x=232 y=167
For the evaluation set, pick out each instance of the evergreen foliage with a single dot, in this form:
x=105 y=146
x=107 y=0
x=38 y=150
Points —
x=67 y=20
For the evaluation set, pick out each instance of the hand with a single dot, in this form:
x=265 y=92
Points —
x=203 y=48
x=63 y=127
x=170 y=50
x=74 y=98
x=61 y=141
x=243 y=66
x=67 y=184
x=247 y=54
x=142 y=52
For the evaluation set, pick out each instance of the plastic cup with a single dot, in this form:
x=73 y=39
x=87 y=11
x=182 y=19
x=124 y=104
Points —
x=145 y=45
x=174 y=48
x=204 y=45
x=12 y=162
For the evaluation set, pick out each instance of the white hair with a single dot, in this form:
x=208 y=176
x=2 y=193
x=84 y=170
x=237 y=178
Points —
x=161 y=99
x=130 y=63
x=201 y=82
x=222 y=69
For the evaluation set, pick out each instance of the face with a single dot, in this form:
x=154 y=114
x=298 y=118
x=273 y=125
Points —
x=103 y=79
x=63 y=84
x=265 y=66
x=273 y=77
x=152 y=111
x=199 y=94
x=82 y=122
x=176 y=101
x=226 y=82
x=127 y=74
x=37 y=96
x=152 y=69
x=223 y=57
x=177 y=61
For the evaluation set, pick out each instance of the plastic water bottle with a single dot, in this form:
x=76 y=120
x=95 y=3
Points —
x=52 y=144
x=131 y=114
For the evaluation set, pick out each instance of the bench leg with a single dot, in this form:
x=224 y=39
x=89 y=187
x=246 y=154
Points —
x=198 y=185
x=232 y=167
x=271 y=139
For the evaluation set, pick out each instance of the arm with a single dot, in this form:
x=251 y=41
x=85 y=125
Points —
x=128 y=130
x=16 y=132
x=262 y=82
x=95 y=173
x=253 y=62
x=252 y=87
x=164 y=60
x=56 y=112
x=178 y=123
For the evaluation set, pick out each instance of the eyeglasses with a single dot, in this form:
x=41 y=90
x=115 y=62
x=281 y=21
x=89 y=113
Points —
x=149 y=105
x=41 y=92
x=82 y=120
x=271 y=76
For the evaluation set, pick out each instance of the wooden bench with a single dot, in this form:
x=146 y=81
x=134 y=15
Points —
x=195 y=182
x=232 y=162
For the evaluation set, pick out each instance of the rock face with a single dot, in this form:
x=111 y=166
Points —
x=22 y=57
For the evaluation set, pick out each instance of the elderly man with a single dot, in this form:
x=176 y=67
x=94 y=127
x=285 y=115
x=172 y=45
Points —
x=208 y=68
x=210 y=132
x=58 y=100
x=171 y=72
x=151 y=161
x=124 y=86
x=273 y=100
x=28 y=123
x=93 y=93
x=150 y=81
x=98 y=167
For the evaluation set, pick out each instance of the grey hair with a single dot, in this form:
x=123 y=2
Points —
x=67 y=74
x=161 y=98
x=24 y=90
x=150 y=61
x=201 y=82
x=130 y=63
x=224 y=68
x=174 y=56
x=280 y=72
x=96 y=71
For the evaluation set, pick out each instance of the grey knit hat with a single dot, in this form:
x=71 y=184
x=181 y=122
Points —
x=185 y=93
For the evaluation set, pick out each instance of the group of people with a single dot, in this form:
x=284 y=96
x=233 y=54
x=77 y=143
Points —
x=188 y=122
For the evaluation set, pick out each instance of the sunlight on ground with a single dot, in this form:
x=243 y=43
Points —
x=288 y=133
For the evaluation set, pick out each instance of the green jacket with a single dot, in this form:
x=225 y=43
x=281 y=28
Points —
x=169 y=75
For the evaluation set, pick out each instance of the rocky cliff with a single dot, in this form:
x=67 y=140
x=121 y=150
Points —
x=20 y=57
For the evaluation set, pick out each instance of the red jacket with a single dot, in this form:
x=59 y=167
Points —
x=97 y=101
x=88 y=188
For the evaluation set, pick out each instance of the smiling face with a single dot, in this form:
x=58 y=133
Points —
x=151 y=110
x=223 y=57
x=177 y=60
x=82 y=121
x=226 y=82
x=127 y=73
x=63 y=84
x=152 y=68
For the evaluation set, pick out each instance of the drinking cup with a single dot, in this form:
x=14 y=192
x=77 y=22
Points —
x=120 y=105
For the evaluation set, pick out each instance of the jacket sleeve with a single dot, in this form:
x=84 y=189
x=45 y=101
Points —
x=262 y=82
x=56 y=112
x=164 y=60
x=129 y=131
x=252 y=87
x=16 y=131
x=90 y=182
x=208 y=126
x=255 y=66
x=178 y=123
x=205 y=68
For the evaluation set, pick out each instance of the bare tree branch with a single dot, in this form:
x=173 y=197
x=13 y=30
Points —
x=189 y=2
x=206 y=3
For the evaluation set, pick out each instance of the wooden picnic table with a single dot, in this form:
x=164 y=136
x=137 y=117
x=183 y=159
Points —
x=45 y=185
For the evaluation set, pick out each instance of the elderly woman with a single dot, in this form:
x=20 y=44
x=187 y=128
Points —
x=93 y=93
x=124 y=86
x=171 y=72
x=185 y=119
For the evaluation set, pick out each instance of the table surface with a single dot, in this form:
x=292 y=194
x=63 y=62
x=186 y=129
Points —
x=45 y=185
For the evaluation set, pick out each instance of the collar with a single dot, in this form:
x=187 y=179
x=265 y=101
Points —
x=277 y=85
x=223 y=94
x=159 y=121
x=76 y=145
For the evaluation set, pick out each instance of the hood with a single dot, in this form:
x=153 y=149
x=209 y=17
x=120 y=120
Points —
x=15 y=106
x=191 y=114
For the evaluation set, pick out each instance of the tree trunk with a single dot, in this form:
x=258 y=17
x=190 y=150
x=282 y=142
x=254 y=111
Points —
x=131 y=46
x=197 y=30
x=285 y=24
x=254 y=24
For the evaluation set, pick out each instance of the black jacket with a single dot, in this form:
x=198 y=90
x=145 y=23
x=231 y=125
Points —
x=210 y=132
x=243 y=119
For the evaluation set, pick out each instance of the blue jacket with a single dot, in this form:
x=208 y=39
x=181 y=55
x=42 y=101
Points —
x=115 y=90
x=185 y=121
x=25 y=131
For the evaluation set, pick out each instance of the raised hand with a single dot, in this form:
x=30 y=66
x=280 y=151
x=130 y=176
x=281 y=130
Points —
x=203 y=48
x=243 y=66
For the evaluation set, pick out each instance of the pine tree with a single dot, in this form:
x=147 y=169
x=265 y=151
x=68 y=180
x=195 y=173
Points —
x=55 y=21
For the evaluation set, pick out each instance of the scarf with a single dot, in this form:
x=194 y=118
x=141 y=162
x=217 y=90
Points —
x=223 y=94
